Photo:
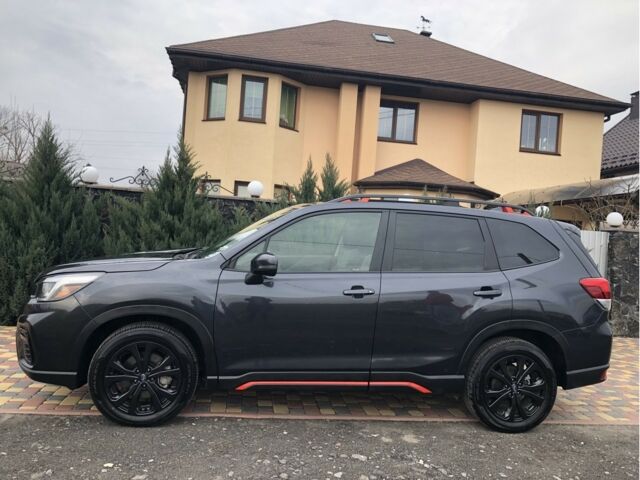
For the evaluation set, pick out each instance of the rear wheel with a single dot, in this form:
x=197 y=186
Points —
x=510 y=385
x=143 y=374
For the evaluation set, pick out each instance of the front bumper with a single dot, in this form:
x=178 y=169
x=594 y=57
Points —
x=47 y=341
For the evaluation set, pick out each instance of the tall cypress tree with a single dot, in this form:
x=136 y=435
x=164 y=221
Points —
x=44 y=220
x=305 y=192
x=172 y=214
x=332 y=186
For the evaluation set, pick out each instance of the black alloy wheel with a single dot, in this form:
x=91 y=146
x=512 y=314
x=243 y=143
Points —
x=143 y=374
x=511 y=385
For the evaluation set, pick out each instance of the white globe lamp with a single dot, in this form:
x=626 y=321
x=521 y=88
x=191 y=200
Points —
x=542 y=211
x=255 y=188
x=89 y=174
x=615 y=219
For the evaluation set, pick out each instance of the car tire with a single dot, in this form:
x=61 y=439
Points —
x=510 y=385
x=143 y=374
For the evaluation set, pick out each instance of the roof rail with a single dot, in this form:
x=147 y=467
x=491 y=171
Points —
x=444 y=201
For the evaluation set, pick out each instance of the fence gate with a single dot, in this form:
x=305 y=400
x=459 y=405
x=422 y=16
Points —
x=597 y=244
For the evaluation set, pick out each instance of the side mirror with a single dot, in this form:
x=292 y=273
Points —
x=263 y=264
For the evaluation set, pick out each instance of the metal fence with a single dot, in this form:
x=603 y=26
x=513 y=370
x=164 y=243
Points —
x=597 y=244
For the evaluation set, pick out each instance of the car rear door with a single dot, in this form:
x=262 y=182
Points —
x=314 y=320
x=440 y=283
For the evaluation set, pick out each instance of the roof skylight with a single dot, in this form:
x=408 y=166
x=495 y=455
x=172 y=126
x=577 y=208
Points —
x=382 y=37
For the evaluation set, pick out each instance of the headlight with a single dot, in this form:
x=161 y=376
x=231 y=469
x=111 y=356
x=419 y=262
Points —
x=57 y=287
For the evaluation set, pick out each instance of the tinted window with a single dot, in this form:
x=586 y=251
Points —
x=518 y=245
x=436 y=243
x=335 y=242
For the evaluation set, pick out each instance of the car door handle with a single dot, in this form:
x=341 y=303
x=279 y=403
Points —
x=358 y=291
x=487 y=292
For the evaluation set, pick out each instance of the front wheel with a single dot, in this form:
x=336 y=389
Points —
x=510 y=385
x=143 y=374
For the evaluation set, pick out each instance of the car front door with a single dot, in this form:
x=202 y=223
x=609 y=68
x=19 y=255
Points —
x=312 y=321
x=440 y=284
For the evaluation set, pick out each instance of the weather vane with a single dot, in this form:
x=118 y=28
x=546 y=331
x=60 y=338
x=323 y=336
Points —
x=426 y=26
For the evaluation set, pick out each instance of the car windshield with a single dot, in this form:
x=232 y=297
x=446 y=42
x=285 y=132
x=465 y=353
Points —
x=245 y=232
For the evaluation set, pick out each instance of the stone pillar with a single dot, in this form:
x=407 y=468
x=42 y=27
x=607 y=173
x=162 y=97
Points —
x=622 y=271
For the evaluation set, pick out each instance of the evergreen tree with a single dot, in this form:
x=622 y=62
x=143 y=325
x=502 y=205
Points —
x=332 y=186
x=305 y=192
x=44 y=220
x=172 y=214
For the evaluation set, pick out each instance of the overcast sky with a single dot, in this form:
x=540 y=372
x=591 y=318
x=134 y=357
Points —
x=100 y=68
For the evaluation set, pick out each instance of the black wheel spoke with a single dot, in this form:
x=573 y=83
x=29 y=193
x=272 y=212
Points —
x=135 y=353
x=529 y=392
x=499 y=376
x=525 y=372
x=119 y=378
x=120 y=399
x=155 y=399
x=162 y=393
x=134 y=399
x=521 y=410
x=160 y=366
x=172 y=372
x=499 y=399
x=121 y=368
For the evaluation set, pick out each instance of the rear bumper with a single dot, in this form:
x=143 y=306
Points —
x=586 y=376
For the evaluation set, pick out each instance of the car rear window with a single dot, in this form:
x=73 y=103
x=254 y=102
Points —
x=436 y=243
x=518 y=245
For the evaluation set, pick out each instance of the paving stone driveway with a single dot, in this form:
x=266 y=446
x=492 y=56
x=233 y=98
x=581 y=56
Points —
x=614 y=402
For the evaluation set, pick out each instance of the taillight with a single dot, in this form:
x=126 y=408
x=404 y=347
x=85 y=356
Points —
x=599 y=289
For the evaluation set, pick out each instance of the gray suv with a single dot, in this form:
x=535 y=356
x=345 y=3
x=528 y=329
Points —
x=364 y=292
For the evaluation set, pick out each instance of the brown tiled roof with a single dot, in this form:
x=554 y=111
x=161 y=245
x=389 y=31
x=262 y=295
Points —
x=620 y=143
x=418 y=173
x=345 y=46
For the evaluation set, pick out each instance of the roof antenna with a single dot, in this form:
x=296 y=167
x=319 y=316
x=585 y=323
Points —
x=425 y=30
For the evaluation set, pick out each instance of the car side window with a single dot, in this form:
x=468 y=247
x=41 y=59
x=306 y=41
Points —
x=332 y=242
x=518 y=245
x=436 y=243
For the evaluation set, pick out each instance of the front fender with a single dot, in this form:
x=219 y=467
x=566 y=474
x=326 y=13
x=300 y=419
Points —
x=183 y=320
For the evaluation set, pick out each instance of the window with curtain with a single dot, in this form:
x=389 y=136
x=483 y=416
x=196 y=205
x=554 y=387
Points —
x=253 y=102
x=540 y=132
x=397 y=121
x=288 y=106
x=217 y=98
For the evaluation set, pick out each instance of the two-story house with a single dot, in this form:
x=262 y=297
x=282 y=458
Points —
x=258 y=106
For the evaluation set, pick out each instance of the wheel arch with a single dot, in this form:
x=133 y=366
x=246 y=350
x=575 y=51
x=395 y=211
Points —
x=542 y=335
x=106 y=323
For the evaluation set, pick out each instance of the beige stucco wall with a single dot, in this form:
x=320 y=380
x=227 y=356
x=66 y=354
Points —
x=500 y=166
x=233 y=150
x=442 y=139
x=477 y=142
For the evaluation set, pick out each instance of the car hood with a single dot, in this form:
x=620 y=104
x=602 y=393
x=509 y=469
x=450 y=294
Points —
x=131 y=262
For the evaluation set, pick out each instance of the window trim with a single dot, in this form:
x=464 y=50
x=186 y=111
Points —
x=208 y=95
x=295 y=110
x=265 y=82
x=395 y=104
x=239 y=183
x=538 y=114
x=378 y=249
x=490 y=262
